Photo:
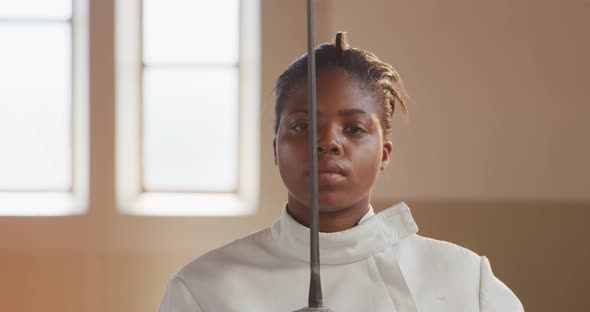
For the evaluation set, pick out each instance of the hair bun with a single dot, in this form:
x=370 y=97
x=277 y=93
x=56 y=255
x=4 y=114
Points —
x=341 y=42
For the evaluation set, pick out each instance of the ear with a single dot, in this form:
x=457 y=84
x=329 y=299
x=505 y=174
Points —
x=386 y=154
x=274 y=149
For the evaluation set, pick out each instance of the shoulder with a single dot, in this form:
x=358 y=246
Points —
x=242 y=252
x=441 y=263
x=206 y=278
x=445 y=253
x=448 y=266
x=494 y=295
x=177 y=297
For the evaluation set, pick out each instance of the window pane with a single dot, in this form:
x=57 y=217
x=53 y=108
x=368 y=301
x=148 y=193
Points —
x=35 y=95
x=60 y=9
x=191 y=31
x=190 y=129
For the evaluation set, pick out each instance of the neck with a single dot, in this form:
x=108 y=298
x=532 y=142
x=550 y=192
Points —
x=335 y=219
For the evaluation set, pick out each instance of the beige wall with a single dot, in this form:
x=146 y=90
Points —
x=495 y=156
x=499 y=87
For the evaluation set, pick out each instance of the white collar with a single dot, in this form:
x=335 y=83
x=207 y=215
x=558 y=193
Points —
x=371 y=236
x=367 y=215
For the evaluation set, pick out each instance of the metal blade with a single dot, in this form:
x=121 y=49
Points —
x=315 y=285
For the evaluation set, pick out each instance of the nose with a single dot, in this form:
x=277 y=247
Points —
x=329 y=142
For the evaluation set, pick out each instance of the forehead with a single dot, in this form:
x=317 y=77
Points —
x=336 y=90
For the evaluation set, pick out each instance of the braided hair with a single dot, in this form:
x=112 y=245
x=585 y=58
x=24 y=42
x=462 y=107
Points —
x=374 y=76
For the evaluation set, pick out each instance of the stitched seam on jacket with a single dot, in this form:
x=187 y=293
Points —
x=479 y=285
x=383 y=281
x=190 y=292
x=403 y=279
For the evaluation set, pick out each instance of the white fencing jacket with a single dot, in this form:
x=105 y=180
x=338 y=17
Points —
x=379 y=265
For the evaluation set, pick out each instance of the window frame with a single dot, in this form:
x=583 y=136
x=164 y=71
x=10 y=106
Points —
x=131 y=197
x=75 y=200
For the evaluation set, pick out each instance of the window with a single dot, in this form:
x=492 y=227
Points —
x=190 y=95
x=43 y=158
x=187 y=103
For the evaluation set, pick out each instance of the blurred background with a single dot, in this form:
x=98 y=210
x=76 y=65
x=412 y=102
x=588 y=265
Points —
x=103 y=102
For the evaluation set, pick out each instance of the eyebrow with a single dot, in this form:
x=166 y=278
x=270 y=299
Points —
x=342 y=112
x=352 y=111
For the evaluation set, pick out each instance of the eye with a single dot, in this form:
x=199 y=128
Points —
x=354 y=130
x=299 y=127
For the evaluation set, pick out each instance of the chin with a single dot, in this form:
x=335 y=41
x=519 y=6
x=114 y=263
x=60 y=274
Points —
x=331 y=202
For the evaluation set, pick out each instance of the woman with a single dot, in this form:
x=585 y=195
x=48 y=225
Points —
x=369 y=262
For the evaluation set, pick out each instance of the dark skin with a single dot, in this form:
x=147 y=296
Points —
x=351 y=150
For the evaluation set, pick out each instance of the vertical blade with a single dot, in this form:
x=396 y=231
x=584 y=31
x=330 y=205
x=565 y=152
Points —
x=315 y=286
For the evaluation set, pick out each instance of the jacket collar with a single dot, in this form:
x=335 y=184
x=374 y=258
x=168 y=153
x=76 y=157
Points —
x=368 y=238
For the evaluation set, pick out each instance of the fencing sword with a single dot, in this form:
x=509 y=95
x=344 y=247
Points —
x=315 y=302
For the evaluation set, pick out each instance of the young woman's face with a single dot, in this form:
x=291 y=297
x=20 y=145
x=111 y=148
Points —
x=351 y=151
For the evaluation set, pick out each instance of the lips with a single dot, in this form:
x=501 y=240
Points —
x=330 y=173
x=329 y=178
x=330 y=167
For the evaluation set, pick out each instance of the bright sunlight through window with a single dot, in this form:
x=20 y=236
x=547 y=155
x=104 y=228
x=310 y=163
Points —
x=190 y=95
x=35 y=96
